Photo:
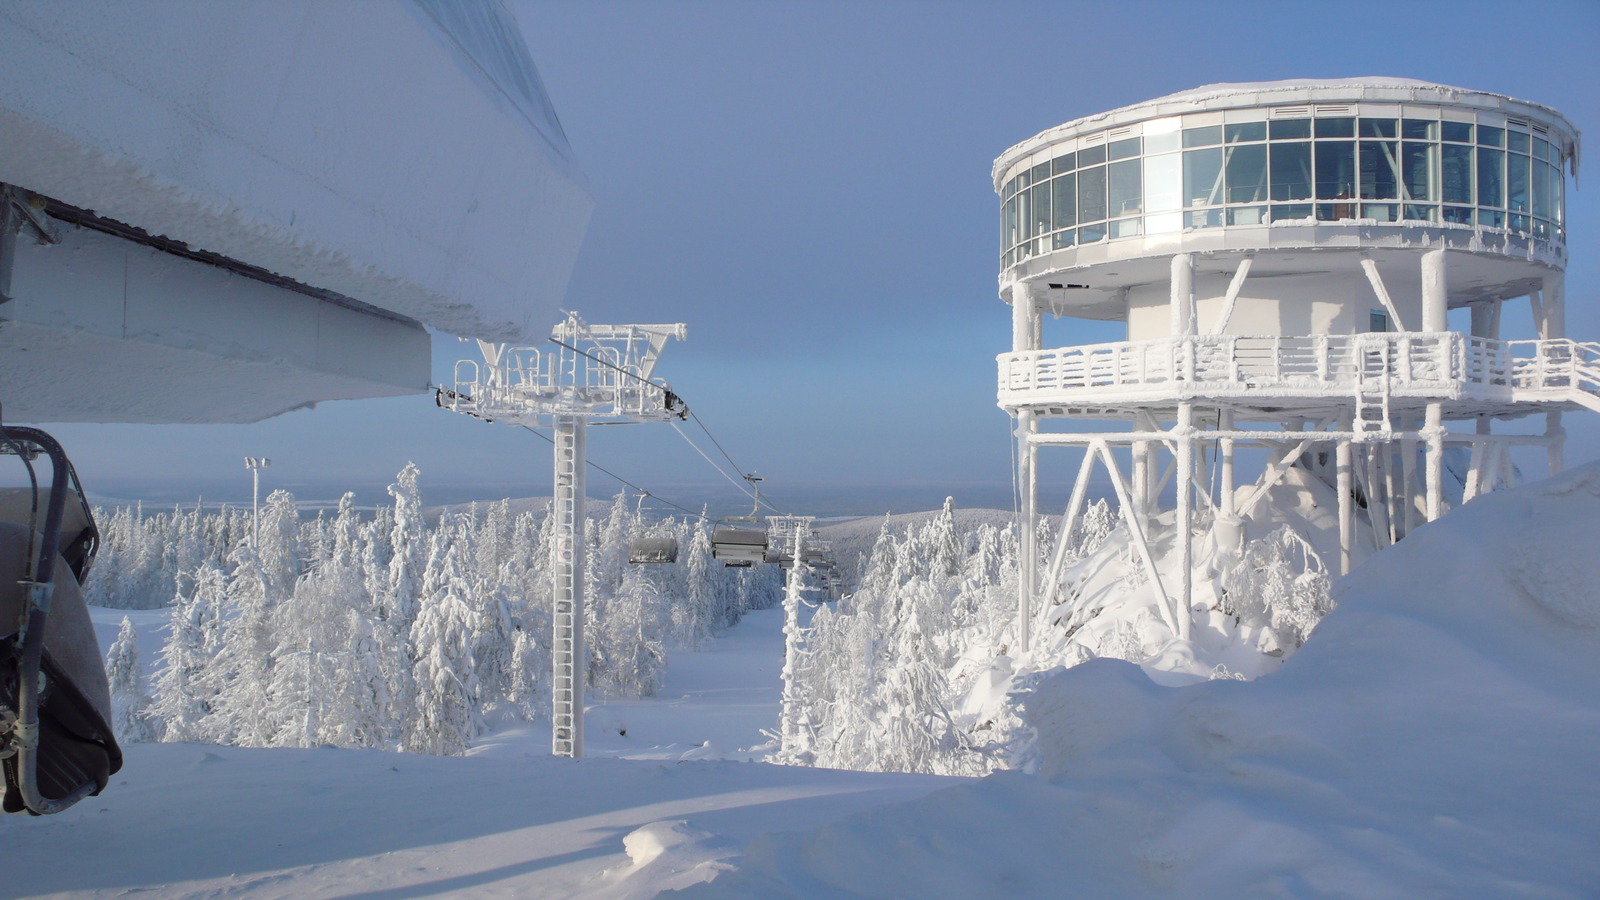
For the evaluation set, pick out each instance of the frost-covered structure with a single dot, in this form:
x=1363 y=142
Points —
x=1286 y=258
x=266 y=203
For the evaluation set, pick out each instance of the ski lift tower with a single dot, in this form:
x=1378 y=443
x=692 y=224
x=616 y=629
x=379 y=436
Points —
x=1285 y=258
x=599 y=373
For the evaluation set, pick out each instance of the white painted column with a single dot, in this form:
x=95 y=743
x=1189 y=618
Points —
x=1435 y=292
x=1184 y=473
x=1434 y=433
x=570 y=658
x=1025 y=336
x=1555 y=305
x=1558 y=439
x=1182 y=300
x=1347 y=506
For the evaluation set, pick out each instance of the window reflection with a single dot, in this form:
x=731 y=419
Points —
x=1379 y=180
x=1247 y=173
x=1291 y=171
x=1202 y=177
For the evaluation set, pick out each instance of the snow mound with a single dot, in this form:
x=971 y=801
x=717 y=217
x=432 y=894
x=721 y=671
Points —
x=1433 y=738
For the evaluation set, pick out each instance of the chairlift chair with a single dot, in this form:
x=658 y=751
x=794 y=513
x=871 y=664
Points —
x=741 y=541
x=56 y=743
x=653 y=549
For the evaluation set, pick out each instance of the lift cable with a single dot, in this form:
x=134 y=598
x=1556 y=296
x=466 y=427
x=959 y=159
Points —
x=697 y=421
x=624 y=481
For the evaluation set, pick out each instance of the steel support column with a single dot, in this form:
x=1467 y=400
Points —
x=571 y=659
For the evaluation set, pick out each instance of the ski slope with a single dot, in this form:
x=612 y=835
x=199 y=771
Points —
x=508 y=820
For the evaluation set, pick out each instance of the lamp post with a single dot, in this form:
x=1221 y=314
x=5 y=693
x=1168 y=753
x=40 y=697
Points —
x=255 y=464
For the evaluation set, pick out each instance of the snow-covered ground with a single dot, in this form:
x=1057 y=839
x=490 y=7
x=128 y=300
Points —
x=508 y=820
x=1434 y=738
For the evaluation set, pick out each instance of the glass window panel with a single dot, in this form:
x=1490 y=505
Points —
x=1491 y=137
x=1165 y=142
x=1558 y=199
x=1519 y=223
x=1461 y=215
x=1122 y=188
x=1008 y=223
x=1379 y=178
x=1541 y=190
x=1163 y=182
x=1066 y=162
x=1541 y=148
x=1291 y=211
x=1456 y=131
x=1009 y=189
x=1491 y=177
x=1163 y=223
x=1419 y=129
x=1379 y=128
x=1024 y=178
x=1247 y=173
x=1246 y=131
x=1039 y=173
x=1383 y=212
x=1124 y=228
x=1336 y=128
x=1377 y=320
x=1040 y=203
x=1291 y=172
x=1518 y=141
x=1203 y=218
x=1088 y=234
x=1124 y=149
x=1455 y=174
x=1289 y=129
x=1492 y=217
x=1416 y=170
x=1064 y=238
x=1333 y=212
x=1417 y=213
x=1247 y=215
x=1091 y=196
x=1517 y=187
x=1089 y=156
x=1202 y=137
x=1064 y=201
x=1202 y=177
x=1336 y=168
x=1024 y=215
x=1541 y=228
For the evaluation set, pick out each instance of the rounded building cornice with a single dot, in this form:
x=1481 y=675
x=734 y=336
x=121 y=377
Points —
x=1296 y=92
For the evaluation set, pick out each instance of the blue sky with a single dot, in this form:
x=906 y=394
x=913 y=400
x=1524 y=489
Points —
x=807 y=186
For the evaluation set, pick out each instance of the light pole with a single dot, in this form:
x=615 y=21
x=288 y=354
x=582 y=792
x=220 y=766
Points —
x=255 y=464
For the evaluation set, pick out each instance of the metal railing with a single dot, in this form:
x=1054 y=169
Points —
x=1406 y=363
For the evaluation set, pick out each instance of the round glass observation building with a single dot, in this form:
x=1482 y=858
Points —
x=1286 y=257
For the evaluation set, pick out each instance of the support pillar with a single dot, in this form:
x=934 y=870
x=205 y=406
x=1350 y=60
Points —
x=570 y=658
x=1182 y=304
x=1434 y=433
x=1229 y=530
x=1558 y=440
x=1347 y=506
x=1555 y=305
x=1435 y=292
x=1027 y=459
x=1184 y=432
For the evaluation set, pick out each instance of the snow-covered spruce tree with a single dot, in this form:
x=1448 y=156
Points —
x=280 y=551
x=241 y=672
x=128 y=700
x=695 y=614
x=184 y=692
x=1280 y=586
x=445 y=716
x=407 y=550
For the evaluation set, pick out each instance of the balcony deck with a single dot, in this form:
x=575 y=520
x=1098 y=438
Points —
x=1470 y=375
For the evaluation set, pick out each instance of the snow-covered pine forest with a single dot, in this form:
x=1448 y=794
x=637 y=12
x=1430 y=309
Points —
x=375 y=629
x=914 y=669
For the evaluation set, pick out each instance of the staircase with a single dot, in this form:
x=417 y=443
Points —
x=1372 y=387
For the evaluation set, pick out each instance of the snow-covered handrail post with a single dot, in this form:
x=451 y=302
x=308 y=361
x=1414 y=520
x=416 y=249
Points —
x=790 y=533
x=592 y=372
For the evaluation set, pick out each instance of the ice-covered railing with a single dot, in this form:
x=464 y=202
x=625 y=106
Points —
x=1400 y=363
x=597 y=371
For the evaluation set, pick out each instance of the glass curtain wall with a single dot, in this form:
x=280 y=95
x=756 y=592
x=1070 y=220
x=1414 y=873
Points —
x=1328 y=169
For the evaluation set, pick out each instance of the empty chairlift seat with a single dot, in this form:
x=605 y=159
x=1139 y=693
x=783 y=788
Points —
x=738 y=545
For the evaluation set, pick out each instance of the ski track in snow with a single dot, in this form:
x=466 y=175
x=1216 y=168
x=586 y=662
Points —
x=507 y=820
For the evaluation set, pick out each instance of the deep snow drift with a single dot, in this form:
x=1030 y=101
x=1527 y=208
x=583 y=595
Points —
x=1435 y=738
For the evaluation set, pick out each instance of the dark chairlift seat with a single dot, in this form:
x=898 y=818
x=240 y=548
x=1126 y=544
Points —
x=738 y=545
x=56 y=743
